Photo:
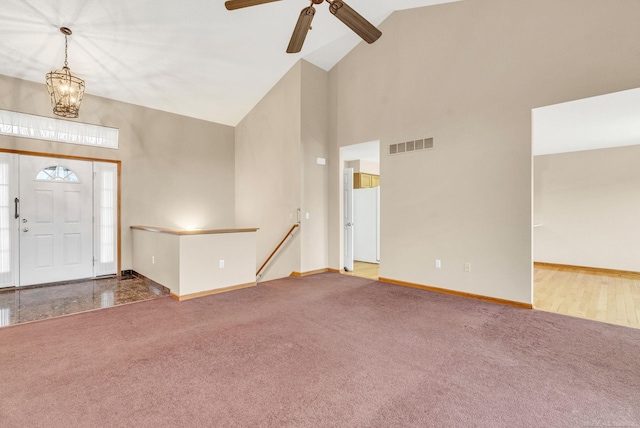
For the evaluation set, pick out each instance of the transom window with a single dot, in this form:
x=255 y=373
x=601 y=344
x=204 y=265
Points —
x=49 y=129
x=57 y=173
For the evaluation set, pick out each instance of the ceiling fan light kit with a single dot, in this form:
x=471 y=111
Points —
x=352 y=19
x=65 y=89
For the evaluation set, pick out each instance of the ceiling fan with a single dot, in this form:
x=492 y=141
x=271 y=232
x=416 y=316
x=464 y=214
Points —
x=338 y=8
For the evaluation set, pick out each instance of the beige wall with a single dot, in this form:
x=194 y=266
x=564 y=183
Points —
x=277 y=144
x=587 y=205
x=157 y=257
x=200 y=256
x=468 y=74
x=190 y=264
x=176 y=171
x=268 y=173
x=314 y=139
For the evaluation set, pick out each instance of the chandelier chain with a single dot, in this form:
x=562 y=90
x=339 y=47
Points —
x=66 y=47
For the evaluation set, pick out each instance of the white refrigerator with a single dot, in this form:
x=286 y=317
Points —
x=366 y=225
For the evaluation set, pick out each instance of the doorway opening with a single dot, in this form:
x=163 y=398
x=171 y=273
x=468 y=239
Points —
x=586 y=206
x=59 y=219
x=361 y=209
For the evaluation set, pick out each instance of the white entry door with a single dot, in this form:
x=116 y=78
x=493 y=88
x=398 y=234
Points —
x=55 y=220
x=348 y=219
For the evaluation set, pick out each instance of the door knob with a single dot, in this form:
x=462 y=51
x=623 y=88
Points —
x=26 y=229
x=24 y=220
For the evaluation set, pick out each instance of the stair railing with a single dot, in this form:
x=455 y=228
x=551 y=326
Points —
x=273 y=253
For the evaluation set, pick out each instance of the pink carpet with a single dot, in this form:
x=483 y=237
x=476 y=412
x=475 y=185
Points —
x=323 y=351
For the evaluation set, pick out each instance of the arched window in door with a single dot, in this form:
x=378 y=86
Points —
x=57 y=173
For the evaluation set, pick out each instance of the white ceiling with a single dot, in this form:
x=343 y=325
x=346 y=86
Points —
x=605 y=121
x=192 y=58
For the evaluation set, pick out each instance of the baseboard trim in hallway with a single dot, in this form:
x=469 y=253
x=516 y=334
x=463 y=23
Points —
x=458 y=293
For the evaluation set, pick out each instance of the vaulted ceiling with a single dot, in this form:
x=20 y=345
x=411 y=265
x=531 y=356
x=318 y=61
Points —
x=192 y=58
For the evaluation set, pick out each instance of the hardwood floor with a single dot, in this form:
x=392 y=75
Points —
x=608 y=296
x=364 y=270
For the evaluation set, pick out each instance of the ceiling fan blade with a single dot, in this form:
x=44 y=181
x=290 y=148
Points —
x=355 y=21
x=300 y=31
x=238 y=4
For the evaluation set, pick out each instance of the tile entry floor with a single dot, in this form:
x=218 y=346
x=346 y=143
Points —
x=38 y=302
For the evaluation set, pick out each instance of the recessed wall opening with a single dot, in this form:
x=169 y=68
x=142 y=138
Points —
x=586 y=208
x=360 y=169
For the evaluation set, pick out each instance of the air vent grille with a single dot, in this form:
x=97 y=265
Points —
x=411 y=146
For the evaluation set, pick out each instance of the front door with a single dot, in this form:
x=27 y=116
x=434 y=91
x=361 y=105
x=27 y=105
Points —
x=56 y=220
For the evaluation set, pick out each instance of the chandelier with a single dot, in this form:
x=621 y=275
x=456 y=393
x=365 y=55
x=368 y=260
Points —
x=65 y=89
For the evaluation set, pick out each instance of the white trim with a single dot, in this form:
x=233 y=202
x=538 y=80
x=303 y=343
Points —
x=63 y=131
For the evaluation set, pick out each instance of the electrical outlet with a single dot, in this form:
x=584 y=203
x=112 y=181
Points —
x=221 y=264
x=438 y=264
x=467 y=267
x=153 y=260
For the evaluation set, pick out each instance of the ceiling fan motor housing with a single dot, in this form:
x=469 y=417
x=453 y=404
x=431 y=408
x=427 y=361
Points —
x=352 y=19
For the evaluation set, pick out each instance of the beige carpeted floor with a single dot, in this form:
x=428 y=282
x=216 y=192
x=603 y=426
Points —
x=328 y=350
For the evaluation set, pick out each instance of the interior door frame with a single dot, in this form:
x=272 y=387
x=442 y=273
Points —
x=340 y=208
x=347 y=218
x=118 y=190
